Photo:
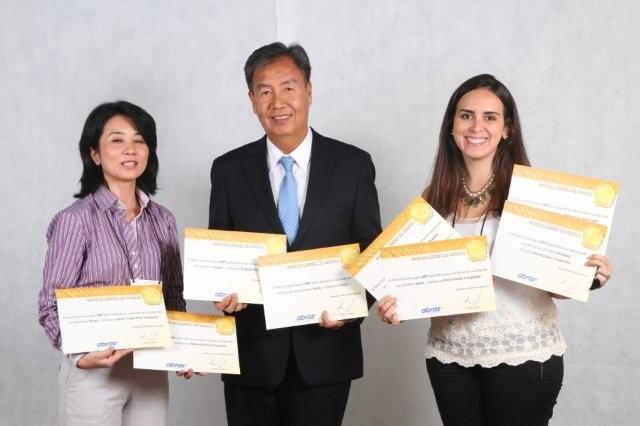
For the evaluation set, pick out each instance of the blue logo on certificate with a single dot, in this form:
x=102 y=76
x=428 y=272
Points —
x=528 y=278
x=305 y=317
x=176 y=365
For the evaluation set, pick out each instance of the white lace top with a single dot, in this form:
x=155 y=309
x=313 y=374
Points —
x=523 y=327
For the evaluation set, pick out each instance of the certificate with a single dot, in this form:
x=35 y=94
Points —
x=417 y=223
x=297 y=287
x=218 y=263
x=96 y=318
x=204 y=343
x=547 y=250
x=586 y=198
x=440 y=278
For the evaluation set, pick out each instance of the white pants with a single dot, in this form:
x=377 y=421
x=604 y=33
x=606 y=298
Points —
x=114 y=396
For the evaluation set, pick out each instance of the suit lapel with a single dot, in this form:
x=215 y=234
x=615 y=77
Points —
x=255 y=166
x=321 y=169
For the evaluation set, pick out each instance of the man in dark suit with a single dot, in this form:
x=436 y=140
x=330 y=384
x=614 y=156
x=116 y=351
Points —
x=321 y=193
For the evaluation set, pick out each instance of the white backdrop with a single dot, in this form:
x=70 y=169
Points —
x=382 y=74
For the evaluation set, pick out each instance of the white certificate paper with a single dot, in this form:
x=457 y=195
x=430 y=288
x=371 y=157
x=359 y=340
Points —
x=417 y=223
x=440 y=278
x=204 y=343
x=586 y=198
x=297 y=287
x=122 y=317
x=218 y=263
x=547 y=250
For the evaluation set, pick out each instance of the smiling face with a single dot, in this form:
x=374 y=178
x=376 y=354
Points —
x=479 y=125
x=122 y=153
x=280 y=97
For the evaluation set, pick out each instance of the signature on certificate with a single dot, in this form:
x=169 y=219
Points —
x=219 y=363
x=346 y=305
x=150 y=335
x=472 y=300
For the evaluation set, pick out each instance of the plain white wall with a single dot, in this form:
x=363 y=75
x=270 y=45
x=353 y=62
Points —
x=382 y=75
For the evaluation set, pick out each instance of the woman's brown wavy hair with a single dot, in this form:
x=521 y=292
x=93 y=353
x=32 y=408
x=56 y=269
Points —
x=445 y=188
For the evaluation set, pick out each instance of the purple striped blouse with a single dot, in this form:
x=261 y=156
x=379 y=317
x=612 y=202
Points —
x=86 y=248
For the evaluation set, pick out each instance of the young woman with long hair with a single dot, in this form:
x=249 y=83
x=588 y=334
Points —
x=503 y=367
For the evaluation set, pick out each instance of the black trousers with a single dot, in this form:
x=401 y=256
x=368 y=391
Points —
x=291 y=403
x=503 y=395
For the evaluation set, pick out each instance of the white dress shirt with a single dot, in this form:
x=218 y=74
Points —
x=302 y=158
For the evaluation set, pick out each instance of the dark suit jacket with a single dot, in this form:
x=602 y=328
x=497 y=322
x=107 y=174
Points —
x=341 y=207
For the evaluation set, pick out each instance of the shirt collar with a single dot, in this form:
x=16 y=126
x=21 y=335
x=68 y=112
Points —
x=301 y=155
x=105 y=199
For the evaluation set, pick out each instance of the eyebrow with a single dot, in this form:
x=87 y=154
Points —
x=263 y=85
x=290 y=81
x=117 y=132
x=485 y=112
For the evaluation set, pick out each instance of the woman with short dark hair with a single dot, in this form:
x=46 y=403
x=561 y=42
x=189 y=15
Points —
x=113 y=235
x=503 y=367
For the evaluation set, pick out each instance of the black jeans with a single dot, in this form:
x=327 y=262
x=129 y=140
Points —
x=503 y=395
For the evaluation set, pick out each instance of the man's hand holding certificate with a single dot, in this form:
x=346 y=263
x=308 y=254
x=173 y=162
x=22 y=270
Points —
x=297 y=287
x=547 y=250
x=440 y=278
x=203 y=343
x=218 y=263
x=417 y=223
x=96 y=318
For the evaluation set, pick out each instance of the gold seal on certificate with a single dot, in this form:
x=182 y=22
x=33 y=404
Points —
x=203 y=343
x=122 y=317
x=226 y=325
x=218 y=263
x=276 y=245
x=592 y=237
x=416 y=223
x=152 y=296
x=604 y=194
x=297 y=287
x=421 y=212
x=348 y=255
x=476 y=249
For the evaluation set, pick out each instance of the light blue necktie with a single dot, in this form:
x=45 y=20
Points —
x=288 y=209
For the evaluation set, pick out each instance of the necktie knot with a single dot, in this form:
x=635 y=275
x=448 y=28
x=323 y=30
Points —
x=287 y=163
